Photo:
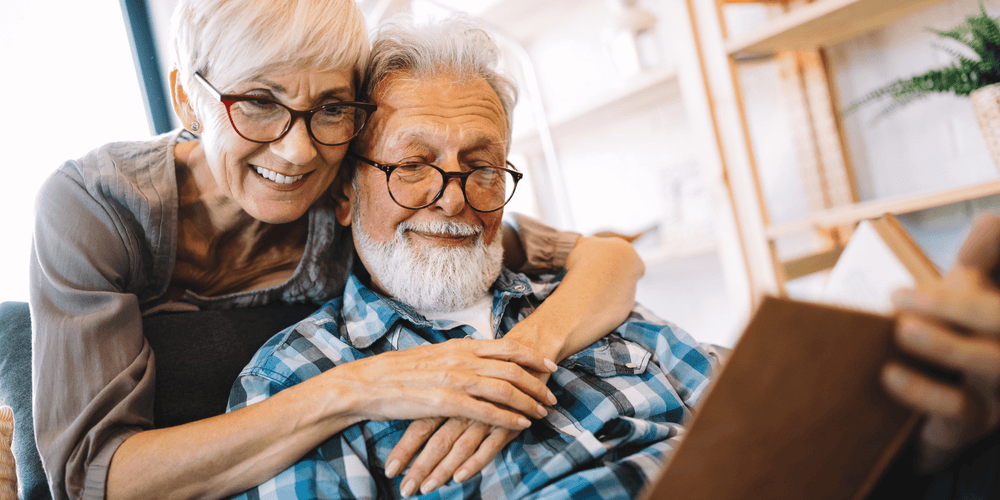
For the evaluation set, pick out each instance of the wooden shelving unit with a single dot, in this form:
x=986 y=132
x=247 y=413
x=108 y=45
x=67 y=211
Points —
x=870 y=209
x=804 y=29
x=821 y=23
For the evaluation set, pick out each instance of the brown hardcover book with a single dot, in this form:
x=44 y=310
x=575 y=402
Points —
x=796 y=413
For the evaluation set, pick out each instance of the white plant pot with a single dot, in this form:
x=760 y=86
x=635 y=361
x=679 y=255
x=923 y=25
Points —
x=986 y=106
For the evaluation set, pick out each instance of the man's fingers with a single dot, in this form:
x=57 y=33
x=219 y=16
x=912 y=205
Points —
x=437 y=447
x=417 y=433
x=981 y=249
x=486 y=452
x=442 y=467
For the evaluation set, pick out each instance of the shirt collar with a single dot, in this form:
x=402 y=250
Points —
x=369 y=315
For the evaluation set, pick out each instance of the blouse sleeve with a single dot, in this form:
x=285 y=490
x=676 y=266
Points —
x=93 y=371
x=545 y=247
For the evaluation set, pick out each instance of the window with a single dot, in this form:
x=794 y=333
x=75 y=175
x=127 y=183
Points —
x=69 y=57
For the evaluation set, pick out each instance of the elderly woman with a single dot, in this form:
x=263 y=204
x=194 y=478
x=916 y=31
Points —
x=233 y=211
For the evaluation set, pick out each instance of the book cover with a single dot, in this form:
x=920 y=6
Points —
x=797 y=412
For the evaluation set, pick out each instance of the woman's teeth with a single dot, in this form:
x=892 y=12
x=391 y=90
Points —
x=276 y=177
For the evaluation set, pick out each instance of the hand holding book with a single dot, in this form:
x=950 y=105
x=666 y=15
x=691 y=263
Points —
x=953 y=324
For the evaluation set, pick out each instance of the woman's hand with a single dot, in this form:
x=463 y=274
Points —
x=490 y=381
x=954 y=325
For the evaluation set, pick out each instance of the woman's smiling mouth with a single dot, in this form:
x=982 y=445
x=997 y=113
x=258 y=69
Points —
x=276 y=177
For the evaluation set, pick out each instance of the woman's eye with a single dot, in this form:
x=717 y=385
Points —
x=262 y=105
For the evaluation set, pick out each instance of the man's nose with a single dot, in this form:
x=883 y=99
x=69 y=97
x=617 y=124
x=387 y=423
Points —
x=297 y=146
x=452 y=200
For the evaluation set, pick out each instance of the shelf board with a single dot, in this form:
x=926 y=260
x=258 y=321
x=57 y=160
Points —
x=870 y=209
x=644 y=90
x=821 y=23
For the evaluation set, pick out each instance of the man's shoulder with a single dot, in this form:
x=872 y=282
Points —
x=291 y=355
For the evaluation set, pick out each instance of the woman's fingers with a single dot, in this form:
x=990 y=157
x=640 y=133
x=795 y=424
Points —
x=508 y=350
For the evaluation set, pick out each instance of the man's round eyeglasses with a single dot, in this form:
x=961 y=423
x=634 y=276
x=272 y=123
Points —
x=263 y=120
x=418 y=185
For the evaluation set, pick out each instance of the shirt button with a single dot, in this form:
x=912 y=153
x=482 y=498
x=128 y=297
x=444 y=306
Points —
x=631 y=366
x=519 y=288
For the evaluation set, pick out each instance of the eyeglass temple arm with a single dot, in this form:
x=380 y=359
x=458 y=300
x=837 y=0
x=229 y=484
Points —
x=215 y=92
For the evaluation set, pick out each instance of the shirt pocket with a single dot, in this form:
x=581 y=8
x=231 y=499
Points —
x=609 y=357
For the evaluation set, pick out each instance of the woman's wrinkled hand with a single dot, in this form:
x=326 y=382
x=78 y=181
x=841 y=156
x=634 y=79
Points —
x=953 y=325
x=489 y=381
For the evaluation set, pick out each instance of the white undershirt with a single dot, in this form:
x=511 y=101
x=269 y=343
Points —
x=479 y=316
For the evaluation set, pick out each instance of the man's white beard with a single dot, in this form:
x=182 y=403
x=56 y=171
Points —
x=431 y=279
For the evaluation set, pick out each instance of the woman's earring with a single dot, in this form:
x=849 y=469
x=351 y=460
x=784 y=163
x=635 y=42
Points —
x=194 y=126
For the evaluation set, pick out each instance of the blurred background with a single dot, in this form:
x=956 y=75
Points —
x=709 y=129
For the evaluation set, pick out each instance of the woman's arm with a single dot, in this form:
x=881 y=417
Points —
x=230 y=453
x=595 y=296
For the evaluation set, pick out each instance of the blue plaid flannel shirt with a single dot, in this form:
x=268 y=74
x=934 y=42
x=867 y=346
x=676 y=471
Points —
x=622 y=401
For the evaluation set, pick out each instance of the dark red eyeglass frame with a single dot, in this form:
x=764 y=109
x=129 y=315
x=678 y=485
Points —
x=229 y=99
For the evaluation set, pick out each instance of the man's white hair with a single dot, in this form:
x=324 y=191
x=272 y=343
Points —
x=457 y=45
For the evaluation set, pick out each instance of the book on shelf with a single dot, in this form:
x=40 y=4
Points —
x=798 y=410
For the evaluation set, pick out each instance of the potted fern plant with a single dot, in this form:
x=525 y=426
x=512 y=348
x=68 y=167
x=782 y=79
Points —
x=977 y=78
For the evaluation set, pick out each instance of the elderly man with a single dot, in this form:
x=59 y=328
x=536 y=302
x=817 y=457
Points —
x=425 y=207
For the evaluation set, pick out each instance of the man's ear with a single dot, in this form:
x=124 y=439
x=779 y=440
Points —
x=344 y=199
x=182 y=106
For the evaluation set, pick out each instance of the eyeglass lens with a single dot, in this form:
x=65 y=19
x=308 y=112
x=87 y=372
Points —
x=416 y=185
x=265 y=121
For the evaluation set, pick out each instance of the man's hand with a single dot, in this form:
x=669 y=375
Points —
x=459 y=448
x=954 y=325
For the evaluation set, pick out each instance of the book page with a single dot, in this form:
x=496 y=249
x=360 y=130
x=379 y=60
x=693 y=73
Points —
x=866 y=274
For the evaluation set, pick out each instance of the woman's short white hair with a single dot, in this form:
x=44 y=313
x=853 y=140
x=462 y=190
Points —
x=456 y=44
x=229 y=41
